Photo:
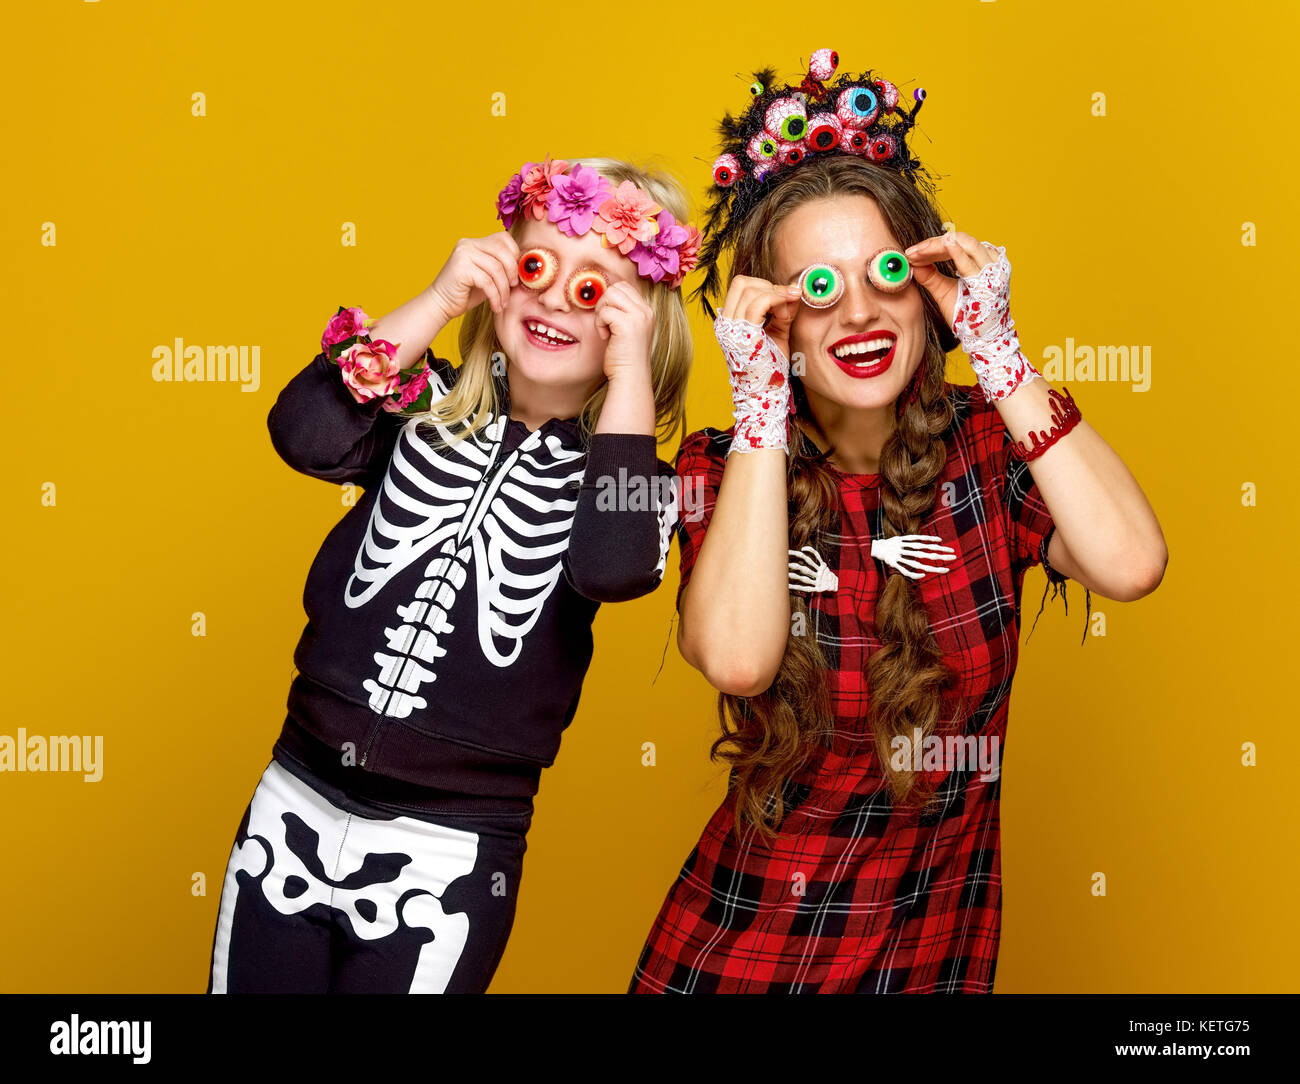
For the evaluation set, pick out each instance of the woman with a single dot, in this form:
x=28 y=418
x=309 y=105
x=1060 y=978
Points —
x=853 y=586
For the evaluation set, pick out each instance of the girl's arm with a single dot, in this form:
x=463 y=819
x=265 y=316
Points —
x=320 y=429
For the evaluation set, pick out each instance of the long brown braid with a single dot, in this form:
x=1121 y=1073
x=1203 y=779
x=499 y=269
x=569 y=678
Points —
x=767 y=738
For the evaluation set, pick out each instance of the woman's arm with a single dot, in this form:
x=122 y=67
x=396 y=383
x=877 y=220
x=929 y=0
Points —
x=1107 y=536
x=735 y=612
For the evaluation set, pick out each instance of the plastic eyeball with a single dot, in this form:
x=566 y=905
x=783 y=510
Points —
x=538 y=268
x=823 y=64
x=823 y=132
x=857 y=107
x=586 y=288
x=756 y=88
x=881 y=148
x=726 y=170
x=786 y=120
x=821 y=285
x=761 y=148
x=857 y=141
x=790 y=154
x=889 y=270
x=888 y=94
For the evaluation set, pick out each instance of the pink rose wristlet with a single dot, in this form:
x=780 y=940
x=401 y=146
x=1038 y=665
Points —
x=369 y=367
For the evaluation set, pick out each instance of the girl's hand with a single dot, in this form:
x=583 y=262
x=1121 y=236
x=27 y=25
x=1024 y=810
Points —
x=978 y=300
x=625 y=322
x=478 y=269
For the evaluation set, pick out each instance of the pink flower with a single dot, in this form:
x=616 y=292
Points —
x=410 y=392
x=508 y=200
x=536 y=185
x=657 y=259
x=370 y=370
x=688 y=255
x=574 y=198
x=344 y=325
x=626 y=218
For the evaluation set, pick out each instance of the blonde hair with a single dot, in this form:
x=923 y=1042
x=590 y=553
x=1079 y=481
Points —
x=473 y=399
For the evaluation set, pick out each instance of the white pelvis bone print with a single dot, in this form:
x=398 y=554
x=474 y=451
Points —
x=365 y=870
x=435 y=504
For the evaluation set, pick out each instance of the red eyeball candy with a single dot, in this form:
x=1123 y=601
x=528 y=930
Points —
x=823 y=64
x=881 y=148
x=538 y=268
x=824 y=130
x=726 y=170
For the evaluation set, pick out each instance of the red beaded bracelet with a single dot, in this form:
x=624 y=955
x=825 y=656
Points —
x=1065 y=415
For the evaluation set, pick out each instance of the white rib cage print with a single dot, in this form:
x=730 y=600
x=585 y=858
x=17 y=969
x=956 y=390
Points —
x=508 y=516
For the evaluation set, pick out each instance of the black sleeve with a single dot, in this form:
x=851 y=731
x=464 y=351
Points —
x=627 y=510
x=318 y=428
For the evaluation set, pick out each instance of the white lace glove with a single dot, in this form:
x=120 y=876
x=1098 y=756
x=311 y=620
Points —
x=986 y=330
x=760 y=385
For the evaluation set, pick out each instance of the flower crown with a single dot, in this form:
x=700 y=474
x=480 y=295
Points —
x=579 y=199
x=791 y=124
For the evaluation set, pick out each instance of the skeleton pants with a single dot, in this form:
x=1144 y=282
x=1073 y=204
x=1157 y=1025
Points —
x=323 y=894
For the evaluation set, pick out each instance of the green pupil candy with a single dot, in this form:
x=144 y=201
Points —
x=893 y=268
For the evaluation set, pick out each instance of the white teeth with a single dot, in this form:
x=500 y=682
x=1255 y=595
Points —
x=549 y=332
x=865 y=347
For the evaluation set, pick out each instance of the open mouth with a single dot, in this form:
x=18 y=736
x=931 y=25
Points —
x=543 y=335
x=865 y=355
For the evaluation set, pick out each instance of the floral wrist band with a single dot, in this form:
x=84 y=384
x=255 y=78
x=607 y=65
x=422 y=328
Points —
x=579 y=199
x=369 y=368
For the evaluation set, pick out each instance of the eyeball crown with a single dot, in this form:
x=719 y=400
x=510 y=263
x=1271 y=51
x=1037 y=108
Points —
x=538 y=267
x=889 y=270
x=821 y=285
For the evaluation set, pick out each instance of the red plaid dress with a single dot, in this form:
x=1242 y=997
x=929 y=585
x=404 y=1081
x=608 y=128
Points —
x=854 y=895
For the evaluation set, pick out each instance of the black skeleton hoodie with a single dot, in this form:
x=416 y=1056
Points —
x=449 y=611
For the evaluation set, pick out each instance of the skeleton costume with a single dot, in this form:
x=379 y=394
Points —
x=448 y=632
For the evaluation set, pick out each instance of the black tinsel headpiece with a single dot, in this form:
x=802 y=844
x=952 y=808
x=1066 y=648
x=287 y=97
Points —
x=794 y=123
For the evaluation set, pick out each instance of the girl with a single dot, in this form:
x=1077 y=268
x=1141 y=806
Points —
x=853 y=587
x=449 y=612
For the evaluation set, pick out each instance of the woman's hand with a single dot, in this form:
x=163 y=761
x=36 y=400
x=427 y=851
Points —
x=478 y=269
x=756 y=360
x=771 y=307
x=625 y=322
x=978 y=300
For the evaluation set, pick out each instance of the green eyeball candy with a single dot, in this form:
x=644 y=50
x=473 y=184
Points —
x=821 y=284
x=889 y=270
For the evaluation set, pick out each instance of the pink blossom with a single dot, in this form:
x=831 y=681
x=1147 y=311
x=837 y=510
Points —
x=370 y=370
x=536 y=185
x=626 y=218
x=344 y=325
x=410 y=392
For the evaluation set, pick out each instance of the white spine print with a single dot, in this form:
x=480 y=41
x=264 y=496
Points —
x=507 y=515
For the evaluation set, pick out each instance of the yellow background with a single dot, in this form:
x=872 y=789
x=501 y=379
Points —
x=1124 y=754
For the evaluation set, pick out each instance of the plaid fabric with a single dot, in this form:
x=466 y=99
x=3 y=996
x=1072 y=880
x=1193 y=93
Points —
x=854 y=895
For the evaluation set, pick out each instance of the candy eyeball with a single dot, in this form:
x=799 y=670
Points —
x=821 y=285
x=538 y=268
x=585 y=288
x=726 y=170
x=823 y=64
x=857 y=106
x=823 y=132
x=889 y=270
